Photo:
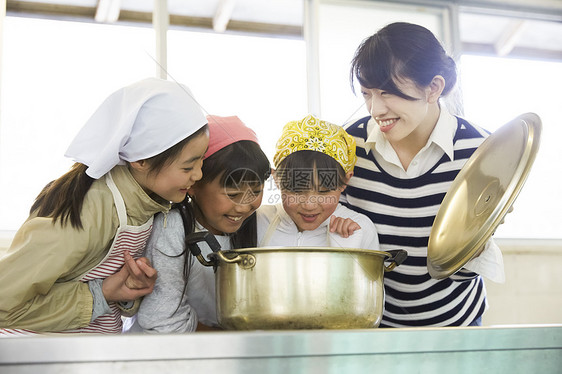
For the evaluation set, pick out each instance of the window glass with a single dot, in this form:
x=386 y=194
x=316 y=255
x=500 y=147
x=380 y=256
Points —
x=496 y=90
x=342 y=26
x=56 y=73
x=261 y=80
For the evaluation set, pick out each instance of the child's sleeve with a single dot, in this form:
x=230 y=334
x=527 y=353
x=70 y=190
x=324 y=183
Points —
x=370 y=239
x=36 y=294
x=166 y=309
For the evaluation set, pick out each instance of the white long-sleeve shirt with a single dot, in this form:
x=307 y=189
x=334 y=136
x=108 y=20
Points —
x=286 y=233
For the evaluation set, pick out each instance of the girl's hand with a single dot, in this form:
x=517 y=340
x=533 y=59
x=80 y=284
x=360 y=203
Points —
x=345 y=227
x=141 y=274
x=115 y=287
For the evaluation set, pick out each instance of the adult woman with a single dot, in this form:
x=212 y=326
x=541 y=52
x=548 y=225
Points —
x=409 y=151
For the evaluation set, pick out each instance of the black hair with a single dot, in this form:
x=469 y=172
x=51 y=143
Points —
x=305 y=170
x=402 y=50
x=242 y=162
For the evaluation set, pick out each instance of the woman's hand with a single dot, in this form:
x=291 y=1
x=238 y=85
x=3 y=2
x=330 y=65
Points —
x=135 y=279
x=345 y=227
x=508 y=211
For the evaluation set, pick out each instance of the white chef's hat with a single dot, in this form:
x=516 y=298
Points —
x=135 y=123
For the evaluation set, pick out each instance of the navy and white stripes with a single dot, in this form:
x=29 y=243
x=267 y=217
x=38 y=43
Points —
x=403 y=211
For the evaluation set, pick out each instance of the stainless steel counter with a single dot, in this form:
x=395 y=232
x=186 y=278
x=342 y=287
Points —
x=521 y=349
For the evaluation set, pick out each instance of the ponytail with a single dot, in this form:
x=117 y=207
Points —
x=62 y=198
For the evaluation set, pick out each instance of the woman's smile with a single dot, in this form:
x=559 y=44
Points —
x=387 y=124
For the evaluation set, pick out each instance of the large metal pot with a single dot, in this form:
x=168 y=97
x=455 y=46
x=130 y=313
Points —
x=297 y=288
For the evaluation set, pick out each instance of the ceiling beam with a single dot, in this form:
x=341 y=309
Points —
x=39 y=9
x=87 y=14
x=108 y=11
x=517 y=52
x=223 y=15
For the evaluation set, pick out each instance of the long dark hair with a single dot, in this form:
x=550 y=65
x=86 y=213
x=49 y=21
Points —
x=242 y=162
x=402 y=50
x=62 y=199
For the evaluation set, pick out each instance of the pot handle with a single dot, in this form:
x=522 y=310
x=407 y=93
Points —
x=245 y=260
x=397 y=256
x=192 y=239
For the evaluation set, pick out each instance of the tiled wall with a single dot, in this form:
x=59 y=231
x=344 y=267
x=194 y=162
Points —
x=532 y=292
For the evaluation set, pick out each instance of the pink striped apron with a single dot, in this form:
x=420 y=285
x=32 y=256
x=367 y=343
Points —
x=131 y=238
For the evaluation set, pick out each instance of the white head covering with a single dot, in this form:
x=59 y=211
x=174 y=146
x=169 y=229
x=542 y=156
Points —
x=135 y=123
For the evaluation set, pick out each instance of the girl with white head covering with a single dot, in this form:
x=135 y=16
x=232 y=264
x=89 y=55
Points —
x=73 y=259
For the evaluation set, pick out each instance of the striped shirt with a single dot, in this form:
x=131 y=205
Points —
x=403 y=211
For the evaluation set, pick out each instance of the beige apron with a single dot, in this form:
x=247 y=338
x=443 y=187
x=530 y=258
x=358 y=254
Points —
x=130 y=238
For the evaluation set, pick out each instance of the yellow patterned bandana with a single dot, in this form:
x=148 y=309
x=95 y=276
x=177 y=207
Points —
x=312 y=134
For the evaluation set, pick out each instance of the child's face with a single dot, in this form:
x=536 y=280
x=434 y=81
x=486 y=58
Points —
x=174 y=179
x=222 y=210
x=308 y=209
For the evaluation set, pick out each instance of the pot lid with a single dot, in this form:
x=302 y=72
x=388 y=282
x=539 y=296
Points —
x=482 y=194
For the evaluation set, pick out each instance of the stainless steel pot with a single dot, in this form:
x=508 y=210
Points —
x=297 y=288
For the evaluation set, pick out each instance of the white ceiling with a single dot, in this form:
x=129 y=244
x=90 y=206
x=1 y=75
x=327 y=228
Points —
x=527 y=28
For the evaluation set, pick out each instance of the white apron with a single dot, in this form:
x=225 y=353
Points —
x=131 y=238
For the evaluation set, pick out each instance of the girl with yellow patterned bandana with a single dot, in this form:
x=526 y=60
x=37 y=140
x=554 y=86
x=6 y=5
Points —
x=314 y=160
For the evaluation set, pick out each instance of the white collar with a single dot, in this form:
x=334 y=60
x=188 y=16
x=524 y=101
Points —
x=442 y=136
x=444 y=132
x=287 y=225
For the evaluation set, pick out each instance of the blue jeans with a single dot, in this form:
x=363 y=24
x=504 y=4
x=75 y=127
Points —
x=477 y=322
